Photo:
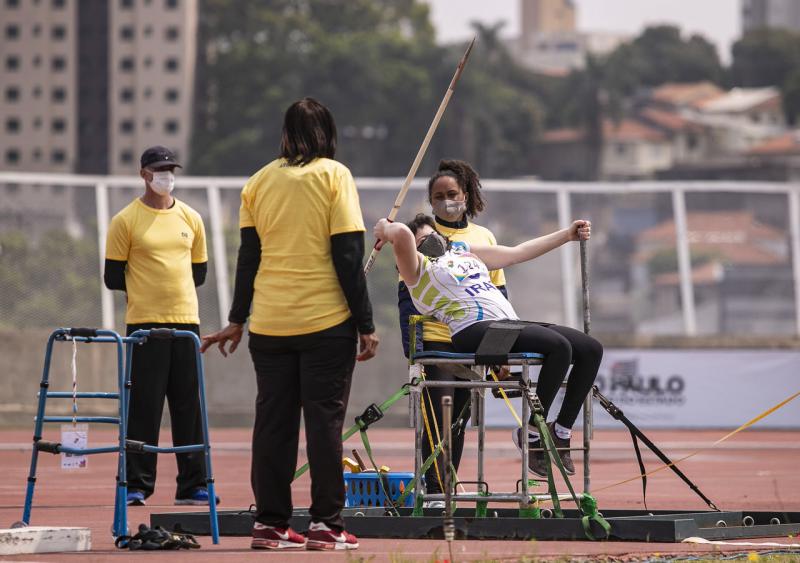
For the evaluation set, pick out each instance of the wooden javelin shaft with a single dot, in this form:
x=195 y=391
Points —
x=398 y=202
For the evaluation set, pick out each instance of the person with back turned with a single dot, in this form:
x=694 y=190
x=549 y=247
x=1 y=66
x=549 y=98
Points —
x=300 y=266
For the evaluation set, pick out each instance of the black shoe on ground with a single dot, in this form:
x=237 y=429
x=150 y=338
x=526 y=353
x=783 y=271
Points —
x=536 y=462
x=563 y=453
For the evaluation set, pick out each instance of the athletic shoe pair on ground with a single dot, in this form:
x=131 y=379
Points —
x=319 y=538
x=199 y=497
x=536 y=461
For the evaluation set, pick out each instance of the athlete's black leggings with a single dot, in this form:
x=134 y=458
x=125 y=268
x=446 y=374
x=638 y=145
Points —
x=560 y=346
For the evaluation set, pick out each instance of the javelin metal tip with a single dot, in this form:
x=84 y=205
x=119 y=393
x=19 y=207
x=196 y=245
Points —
x=469 y=49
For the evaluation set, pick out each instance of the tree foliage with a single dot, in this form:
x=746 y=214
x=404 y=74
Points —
x=661 y=54
x=374 y=63
x=770 y=57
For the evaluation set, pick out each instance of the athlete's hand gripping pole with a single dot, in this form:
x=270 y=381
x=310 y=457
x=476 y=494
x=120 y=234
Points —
x=422 y=149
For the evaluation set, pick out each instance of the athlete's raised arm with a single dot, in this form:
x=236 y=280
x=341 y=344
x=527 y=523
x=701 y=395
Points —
x=496 y=257
x=404 y=246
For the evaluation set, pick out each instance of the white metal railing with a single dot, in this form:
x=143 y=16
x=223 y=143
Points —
x=562 y=191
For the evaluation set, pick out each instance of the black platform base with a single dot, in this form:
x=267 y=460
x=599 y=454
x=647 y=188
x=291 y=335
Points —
x=664 y=526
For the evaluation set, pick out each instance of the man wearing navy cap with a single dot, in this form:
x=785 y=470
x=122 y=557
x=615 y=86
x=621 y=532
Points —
x=156 y=254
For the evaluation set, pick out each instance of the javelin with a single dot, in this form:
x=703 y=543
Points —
x=422 y=149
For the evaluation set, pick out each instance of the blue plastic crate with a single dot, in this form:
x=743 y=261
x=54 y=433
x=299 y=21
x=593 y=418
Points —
x=363 y=489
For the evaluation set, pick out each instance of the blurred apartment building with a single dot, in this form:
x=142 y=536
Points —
x=86 y=85
x=549 y=41
x=682 y=131
x=770 y=13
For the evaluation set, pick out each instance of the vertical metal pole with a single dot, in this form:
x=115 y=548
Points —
x=794 y=230
x=220 y=254
x=124 y=362
x=447 y=427
x=106 y=296
x=479 y=397
x=587 y=402
x=526 y=414
x=37 y=428
x=684 y=262
x=201 y=385
x=417 y=394
x=567 y=265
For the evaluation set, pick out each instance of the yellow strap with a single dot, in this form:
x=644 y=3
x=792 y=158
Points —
x=744 y=426
x=505 y=398
x=430 y=435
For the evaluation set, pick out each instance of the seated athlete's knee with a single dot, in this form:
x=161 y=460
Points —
x=594 y=349
x=562 y=348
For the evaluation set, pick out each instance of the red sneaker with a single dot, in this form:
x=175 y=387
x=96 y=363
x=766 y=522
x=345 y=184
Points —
x=272 y=537
x=322 y=538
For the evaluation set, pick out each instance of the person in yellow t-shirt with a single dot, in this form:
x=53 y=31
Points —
x=300 y=267
x=454 y=193
x=156 y=254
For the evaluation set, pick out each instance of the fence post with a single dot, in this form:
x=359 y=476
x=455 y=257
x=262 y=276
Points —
x=684 y=262
x=794 y=231
x=106 y=296
x=220 y=254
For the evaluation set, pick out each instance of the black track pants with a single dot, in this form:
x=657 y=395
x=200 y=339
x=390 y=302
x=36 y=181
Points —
x=561 y=346
x=165 y=369
x=311 y=372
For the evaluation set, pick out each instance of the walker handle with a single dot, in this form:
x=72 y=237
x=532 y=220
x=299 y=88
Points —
x=84 y=332
x=162 y=333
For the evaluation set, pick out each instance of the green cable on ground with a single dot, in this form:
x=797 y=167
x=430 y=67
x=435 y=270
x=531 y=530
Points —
x=387 y=498
x=384 y=406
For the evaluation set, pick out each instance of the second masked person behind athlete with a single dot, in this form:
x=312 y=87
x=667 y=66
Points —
x=454 y=193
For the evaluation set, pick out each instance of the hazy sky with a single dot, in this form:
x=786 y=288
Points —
x=717 y=20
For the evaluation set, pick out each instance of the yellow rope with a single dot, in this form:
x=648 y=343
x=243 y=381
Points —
x=430 y=435
x=744 y=426
x=505 y=398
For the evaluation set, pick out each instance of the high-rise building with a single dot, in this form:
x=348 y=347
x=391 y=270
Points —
x=547 y=16
x=770 y=13
x=86 y=85
x=549 y=40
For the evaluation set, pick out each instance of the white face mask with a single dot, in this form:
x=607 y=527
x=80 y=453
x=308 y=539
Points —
x=163 y=182
x=449 y=209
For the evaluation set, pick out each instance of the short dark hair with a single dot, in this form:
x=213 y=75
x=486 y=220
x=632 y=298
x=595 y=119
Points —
x=468 y=180
x=419 y=221
x=309 y=132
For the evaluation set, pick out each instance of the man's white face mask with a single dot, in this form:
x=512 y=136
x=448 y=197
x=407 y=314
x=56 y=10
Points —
x=163 y=182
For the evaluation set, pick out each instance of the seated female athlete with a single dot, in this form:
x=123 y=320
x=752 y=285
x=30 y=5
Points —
x=450 y=281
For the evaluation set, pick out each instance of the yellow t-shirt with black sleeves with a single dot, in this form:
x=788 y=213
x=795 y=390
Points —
x=160 y=246
x=471 y=234
x=295 y=210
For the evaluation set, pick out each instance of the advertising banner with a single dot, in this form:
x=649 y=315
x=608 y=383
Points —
x=680 y=388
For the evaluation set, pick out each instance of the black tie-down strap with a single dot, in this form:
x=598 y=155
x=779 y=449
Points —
x=617 y=414
x=497 y=342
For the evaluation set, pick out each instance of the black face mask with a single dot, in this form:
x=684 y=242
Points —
x=433 y=245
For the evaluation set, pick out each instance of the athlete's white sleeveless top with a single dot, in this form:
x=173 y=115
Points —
x=456 y=289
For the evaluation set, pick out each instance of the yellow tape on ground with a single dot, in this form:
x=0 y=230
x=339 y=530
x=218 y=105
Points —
x=744 y=426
